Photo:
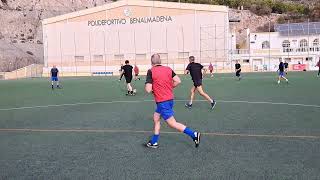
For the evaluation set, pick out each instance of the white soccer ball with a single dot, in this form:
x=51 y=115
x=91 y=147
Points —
x=134 y=91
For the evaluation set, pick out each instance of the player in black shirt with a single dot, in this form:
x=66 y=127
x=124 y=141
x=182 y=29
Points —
x=54 y=76
x=238 y=70
x=286 y=66
x=127 y=72
x=195 y=70
x=281 y=72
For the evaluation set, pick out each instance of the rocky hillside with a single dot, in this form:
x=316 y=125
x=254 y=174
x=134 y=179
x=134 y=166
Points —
x=21 y=31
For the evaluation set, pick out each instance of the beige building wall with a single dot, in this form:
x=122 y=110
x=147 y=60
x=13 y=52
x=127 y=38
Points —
x=78 y=45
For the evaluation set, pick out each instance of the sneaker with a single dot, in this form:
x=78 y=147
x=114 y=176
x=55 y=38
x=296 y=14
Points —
x=52 y=87
x=213 y=105
x=150 y=145
x=196 y=140
x=187 y=105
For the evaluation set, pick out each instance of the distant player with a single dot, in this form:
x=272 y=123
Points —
x=281 y=72
x=211 y=69
x=195 y=70
x=54 y=77
x=161 y=80
x=318 y=64
x=286 y=66
x=238 y=70
x=121 y=73
x=127 y=72
x=136 y=72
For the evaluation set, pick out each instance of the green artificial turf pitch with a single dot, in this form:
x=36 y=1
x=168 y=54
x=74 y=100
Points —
x=91 y=130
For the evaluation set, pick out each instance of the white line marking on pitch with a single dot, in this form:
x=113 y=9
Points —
x=111 y=102
x=162 y=132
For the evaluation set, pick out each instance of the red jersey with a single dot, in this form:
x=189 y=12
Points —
x=318 y=64
x=162 y=83
x=210 y=67
x=136 y=69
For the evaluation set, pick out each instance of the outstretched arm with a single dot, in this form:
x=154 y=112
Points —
x=148 y=87
x=176 y=81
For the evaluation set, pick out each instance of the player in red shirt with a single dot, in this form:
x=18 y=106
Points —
x=161 y=80
x=211 y=69
x=136 y=72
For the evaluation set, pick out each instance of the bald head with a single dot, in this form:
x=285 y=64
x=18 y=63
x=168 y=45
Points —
x=155 y=59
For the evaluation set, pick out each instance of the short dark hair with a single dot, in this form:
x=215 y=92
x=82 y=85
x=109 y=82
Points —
x=127 y=62
x=191 y=58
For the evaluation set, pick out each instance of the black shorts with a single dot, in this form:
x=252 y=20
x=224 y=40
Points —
x=238 y=72
x=197 y=83
x=128 y=79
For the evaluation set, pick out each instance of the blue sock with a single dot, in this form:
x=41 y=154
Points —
x=189 y=132
x=155 y=138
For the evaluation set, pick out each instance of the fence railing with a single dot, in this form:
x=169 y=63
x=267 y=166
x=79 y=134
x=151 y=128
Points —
x=31 y=71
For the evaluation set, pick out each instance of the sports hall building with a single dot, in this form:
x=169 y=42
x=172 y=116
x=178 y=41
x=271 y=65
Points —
x=96 y=41
x=296 y=43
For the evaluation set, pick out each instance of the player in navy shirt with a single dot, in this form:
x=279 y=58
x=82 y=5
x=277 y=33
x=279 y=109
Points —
x=281 y=72
x=238 y=70
x=195 y=70
x=54 y=76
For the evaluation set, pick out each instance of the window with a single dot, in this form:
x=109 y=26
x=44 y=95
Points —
x=141 y=56
x=119 y=56
x=286 y=44
x=97 y=57
x=246 y=61
x=266 y=45
x=316 y=42
x=163 y=56
x=79 y=58
x=183 y=55
x=303 y=43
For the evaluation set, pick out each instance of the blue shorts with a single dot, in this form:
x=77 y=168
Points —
x=281 y=73
x=54 y=79
x=165 y=109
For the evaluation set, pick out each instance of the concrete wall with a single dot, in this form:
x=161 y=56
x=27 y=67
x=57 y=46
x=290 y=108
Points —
x=99 y=40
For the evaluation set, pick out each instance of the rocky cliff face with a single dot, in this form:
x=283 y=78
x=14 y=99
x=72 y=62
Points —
x=21 y=31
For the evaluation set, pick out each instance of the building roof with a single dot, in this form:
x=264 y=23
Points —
x=141 y=3
x=295 y=29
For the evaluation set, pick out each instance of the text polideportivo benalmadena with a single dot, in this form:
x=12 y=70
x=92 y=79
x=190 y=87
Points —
x=131 y=21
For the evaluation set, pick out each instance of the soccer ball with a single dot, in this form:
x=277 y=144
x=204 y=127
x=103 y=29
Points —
x=134 y=91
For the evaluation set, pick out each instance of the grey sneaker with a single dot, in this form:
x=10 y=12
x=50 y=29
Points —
x=187 y=105
x=150 y=145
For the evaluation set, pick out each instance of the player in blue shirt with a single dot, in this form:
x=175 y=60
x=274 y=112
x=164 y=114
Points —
x=281 y=72
x=54 y=76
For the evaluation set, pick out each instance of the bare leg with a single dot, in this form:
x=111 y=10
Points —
x=203 y=94
x=157 y=124
x=192 y=92
x=175 y=125
x=129 y=87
